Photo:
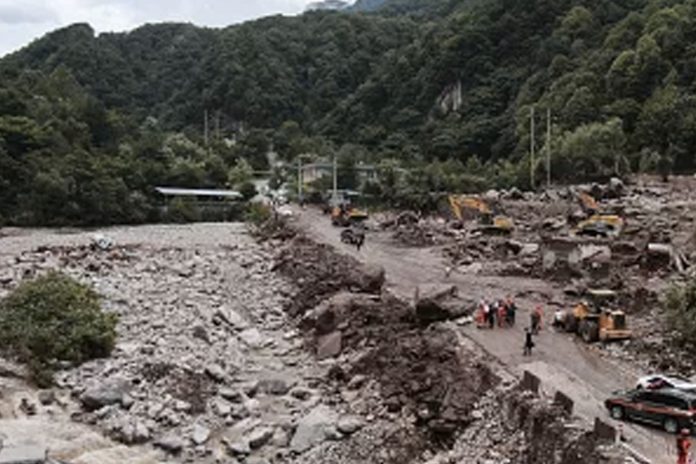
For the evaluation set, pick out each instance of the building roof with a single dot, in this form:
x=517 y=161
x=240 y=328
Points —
x=328 y=166
x=174 y=191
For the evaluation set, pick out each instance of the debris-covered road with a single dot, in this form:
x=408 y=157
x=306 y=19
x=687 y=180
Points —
x=559 y=360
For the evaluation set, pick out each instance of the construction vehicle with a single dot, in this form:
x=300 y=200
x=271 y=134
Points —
x=600 y=225
x=345 y=215
x=597 y=319
x=589 y=205
x=592 y=222
x=473 y=208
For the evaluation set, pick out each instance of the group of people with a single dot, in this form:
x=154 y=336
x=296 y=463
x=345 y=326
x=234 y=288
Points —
x=501 y=312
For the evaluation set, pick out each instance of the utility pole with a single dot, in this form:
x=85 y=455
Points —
x=548 y=148
x=335 y=179
x=205 y=127
x=299 y=179
x=531 y=148
x=217 y=126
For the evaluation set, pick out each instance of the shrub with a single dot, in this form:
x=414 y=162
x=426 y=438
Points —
x=258 y=213
x=248 y=191
x=54 y=318
x=182 y=211
x=680 y=306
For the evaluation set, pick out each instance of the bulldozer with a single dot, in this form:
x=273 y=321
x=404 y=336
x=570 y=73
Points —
x=345 y=215
x=470 y=207
x=597 y=319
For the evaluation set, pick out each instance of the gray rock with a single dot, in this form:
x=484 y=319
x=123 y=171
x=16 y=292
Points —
x=256 y=460
x=216 y=372
x=47 y=397
x=200 y=333
x=350 y=424
x=253 y=338
x=28 y=454
x=239 y=448
x=278 y=387
x=221 y=407
x=329 y=346
x=231 y=317
x=259 y=437
x=108 y=393
x=200 y=434
x=234 y=396
x=132 y=433
x=301 y=393
x=171 y=443
x=312 y=429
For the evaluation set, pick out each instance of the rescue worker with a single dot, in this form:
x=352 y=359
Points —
x=528 y=342
x=683 y=447
x=481 y=314
x=536 y=318
x=502 y=314
x=511 y=310
x=359 y=239
x=492 y=311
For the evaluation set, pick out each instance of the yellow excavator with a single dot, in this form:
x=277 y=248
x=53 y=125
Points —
x=596 y=319
x=473 y=208
x=596 y=224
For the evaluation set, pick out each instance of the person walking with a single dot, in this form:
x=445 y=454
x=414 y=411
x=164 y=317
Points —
x=536 y=318
x=683 y=447
x=493 y=309
x=359 y=239
x=528 y=342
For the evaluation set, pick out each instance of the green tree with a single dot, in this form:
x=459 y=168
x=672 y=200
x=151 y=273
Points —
x=592 y=151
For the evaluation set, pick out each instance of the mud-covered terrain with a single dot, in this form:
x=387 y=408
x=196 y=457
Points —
x=260 y=349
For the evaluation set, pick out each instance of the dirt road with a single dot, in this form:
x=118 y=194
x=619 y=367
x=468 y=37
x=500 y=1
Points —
x=559 y=360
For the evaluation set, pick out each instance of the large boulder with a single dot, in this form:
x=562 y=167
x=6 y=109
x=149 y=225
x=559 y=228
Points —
x=329 y=314
x=439 y=303
x=313 y=429
x=107 y=393
x=368 y=278
x=329 y=346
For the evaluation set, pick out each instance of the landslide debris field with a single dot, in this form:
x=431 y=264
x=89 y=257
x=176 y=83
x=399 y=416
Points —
x=544 y=262
x=237 y=349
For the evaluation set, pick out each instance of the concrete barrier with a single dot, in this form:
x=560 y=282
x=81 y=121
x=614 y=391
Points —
x=565 y=403
x=604 y=431
x=530 y=382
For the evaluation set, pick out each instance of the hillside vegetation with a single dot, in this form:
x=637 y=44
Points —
x=89 y=124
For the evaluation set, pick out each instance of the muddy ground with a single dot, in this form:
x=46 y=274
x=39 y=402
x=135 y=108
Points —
x=482 y=266
x=233 y=348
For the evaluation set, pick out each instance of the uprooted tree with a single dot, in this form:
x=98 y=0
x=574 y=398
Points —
x=54 y=319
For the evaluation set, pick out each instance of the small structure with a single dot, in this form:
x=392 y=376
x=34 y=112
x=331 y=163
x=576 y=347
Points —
x=207 y=204
x=314 y=171
x=200 y=194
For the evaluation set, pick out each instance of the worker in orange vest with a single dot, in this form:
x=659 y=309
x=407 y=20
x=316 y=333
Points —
x=536 y=317
x=502 y=313
x=481 y=314
x=683 y=446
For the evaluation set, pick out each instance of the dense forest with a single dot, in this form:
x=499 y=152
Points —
x=436 y=93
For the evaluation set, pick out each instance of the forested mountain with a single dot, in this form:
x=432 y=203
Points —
x=442 y=86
